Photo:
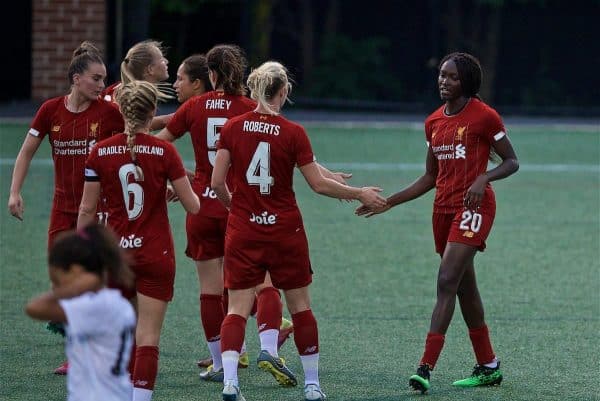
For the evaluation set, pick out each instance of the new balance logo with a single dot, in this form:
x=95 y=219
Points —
x=264 y=218
x=461 y=152
x=310 y=350
x=262 y=326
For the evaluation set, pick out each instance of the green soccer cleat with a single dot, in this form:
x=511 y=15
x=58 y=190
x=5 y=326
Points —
x=420 y=380
x=276 y=367
x=481 y=376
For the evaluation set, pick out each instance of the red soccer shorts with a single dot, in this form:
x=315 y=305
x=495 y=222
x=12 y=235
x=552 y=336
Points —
x=156 y=279
x=465 y=227
x=286 y=259
x=59 y=222
x=205 y=237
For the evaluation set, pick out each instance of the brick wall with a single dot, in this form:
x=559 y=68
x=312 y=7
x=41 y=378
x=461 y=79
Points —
x=59 y=26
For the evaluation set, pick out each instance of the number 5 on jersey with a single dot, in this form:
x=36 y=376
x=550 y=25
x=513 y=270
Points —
x=213 y=125
x=259 y=170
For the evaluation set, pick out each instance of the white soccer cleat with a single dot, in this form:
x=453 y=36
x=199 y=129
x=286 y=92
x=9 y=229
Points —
x=231 y=392
x=312 y=392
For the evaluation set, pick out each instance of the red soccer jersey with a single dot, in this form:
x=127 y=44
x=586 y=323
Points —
x=71 y=137
x=137 y=209
x=264 y=151
x=461 y=145
x=203 y=116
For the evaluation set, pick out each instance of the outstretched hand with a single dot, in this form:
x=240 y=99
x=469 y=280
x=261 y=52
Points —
x=370 y=197
x=341 y=177
x=366 y=211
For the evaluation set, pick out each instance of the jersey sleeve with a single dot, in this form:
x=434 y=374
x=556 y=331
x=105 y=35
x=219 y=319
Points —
x=304 y=152
x=224 y=141
x=91 y=172
x=84 y=314
x=40 y=126
x=494 y=127
x=178 y=125
x=175 y=169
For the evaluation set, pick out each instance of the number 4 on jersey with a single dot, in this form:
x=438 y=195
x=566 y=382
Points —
x=259 y=168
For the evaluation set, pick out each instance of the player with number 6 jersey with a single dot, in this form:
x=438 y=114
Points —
x=133 y=169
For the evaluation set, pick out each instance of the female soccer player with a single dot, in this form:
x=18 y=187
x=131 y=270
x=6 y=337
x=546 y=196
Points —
x=203 y=117
x=73 y=124
x=192 y=78
x=145 y=61
x=265 y=232
x=132 y=169
x=99 y=321
x=461 y=136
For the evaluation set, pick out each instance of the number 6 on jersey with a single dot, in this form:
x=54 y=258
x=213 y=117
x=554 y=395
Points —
x=259 y=168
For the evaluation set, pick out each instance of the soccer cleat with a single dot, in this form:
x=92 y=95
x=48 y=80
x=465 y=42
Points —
x=211 y=375
x=312 y=392
x=481 y=376
x=420 y=380
x=62 y=369
x=276 y=367
x=243 y=363
x=231 y=392
x=285 y=331
x=204 y=363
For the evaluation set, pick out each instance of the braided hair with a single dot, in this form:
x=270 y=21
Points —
x=265 y=81
x=95 y=248
x=469 y=72
x=87 y=53
x=229 y=63
x=137 y=101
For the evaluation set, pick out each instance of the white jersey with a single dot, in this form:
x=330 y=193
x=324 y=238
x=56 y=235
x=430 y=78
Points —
x=100 y=328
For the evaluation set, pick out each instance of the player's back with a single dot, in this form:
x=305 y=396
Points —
x=264 y=150
x=137 y=208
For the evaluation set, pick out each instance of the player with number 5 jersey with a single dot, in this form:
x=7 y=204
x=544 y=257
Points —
x=133 y=170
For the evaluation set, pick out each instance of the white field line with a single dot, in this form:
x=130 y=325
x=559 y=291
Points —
x=358 y=166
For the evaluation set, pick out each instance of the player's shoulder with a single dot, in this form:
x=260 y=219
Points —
x=249 y=115
x=53 y=104
x=435 y=115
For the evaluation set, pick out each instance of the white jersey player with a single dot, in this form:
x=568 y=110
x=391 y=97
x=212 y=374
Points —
x=99 y=322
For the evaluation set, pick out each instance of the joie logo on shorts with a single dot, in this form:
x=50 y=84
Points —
x=209 y=193
x=264 y=218
x=131 y=242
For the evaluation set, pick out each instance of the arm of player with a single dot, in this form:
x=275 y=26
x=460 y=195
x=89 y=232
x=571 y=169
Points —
x=219 y=175
x=509 y=166
x=337 y=176
x=160 y=122
x=30 y=146
x=188 y=198
x=47 y=307
x=326 y=186
x=419 y=187
x=89 y=201
x=166 y=135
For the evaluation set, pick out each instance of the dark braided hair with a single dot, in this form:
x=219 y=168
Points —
x=229 y=62
x=469 y=72
x=87 y=53
x=96 y=249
